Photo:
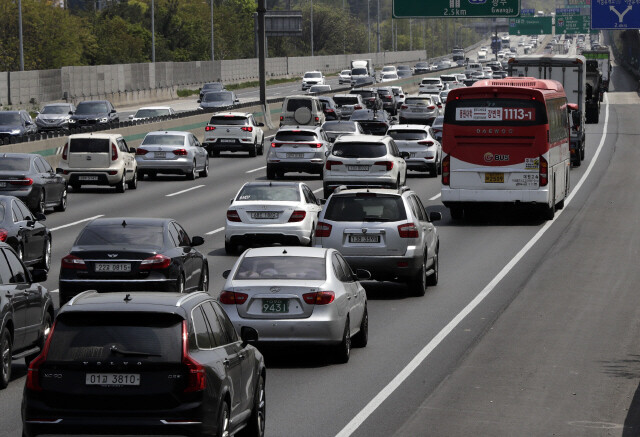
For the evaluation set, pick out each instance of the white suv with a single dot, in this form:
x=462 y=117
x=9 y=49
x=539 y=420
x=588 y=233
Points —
x=425 y=153
x=99 y=159
x=312 y=78
x=297 y=148
x=364 y=161
x=233 y=132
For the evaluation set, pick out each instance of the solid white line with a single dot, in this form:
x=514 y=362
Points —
x=257 y=169
x=435 y=341
x=317 y=191
x=435 y=197
x=75 y=223
x=54 y=291
x=215 y=231
x=184 y=191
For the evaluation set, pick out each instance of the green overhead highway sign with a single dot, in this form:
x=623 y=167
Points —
x=455 y=8
x=573 y=24
x=530 y=26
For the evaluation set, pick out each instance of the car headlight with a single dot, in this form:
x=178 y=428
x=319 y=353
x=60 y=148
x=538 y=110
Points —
x=15 y=131
x=104 y=120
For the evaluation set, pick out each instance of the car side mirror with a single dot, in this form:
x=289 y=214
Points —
x=322 y=201
x=40 y=216
x=113 y=111
x=576 y=117
x=226 y=273
x=236 y=101
x=197 y=241
x=38 y=275
x=435 y=216
x=248 y=335
x=59 y=170
x=131 y=117
x=132 y=150
x=362 y=275
x=70 y=112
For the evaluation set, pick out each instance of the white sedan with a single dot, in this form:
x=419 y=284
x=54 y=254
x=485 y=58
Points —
x=271 y=212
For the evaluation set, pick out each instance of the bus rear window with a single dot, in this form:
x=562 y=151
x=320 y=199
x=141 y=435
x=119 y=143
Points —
x=495 y=112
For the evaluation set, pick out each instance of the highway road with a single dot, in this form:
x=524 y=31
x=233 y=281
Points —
x=531 y=331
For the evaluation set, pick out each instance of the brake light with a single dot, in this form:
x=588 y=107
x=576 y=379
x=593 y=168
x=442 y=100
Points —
x=33 y=373
x=387 y=97
x=209 y=128
x=281 y=118
x=317 y=118
x=544 y=172
x=112 y=172
x=297 y=216
x=275 y=144
x=319 y=298
x=140 y=151
x=247 y=128
x=196 y=378
x=446 y=170
x=330 y=163
x=65 y=149
x=408 y=230
x=180 y=152
x=155 y=262
x=357 y=107
x=431 y=107
x=316 y=145
x=3 y=235
x=387 y=164
x=73 y=262
x=232 y=298
x=426 y=143
x=114 y=152
x=232 y=216
x=404 y=107
x=323 y=229
x=22 y=182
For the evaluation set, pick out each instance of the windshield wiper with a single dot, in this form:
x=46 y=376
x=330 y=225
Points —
x=115 y=350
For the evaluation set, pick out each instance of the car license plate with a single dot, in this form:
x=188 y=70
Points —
x=87 y=178
x=227 y=140
x=494 y=178
x=295 y=155
x=113 y=267
x=417 y=110
x=112 y=379
x=160 y=155
x=264 y=215
x=364 y=238
x=358 y=167
x=275 y=305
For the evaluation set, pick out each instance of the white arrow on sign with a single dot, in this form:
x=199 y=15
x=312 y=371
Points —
x=620 y=15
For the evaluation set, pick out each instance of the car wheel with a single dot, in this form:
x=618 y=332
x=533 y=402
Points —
x=133 y=183
x=271 y=173
x=46 y=328
x=343 y=350
x=432 y=279
x=204 y=278
x=205 y=171
x=180 y=284
x=39 y=206
x=582 y=153
x=261 y=148
x=418 y=284
x=576 y=160
x=230 y=248
x=362 y=338
x=549 y=211
x=253 y=151
x=192 y=174
x=122 y=185
x=223 y=420
x=255 y=425
x=6 y=353
x=63 y=201
x=45 y=262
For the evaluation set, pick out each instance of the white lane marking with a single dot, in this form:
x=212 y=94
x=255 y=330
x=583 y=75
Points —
x=184 y=191
x=317 y=191
x=435 y=197
x=257 y=169
x=54 y=291
x=355 y=423
x=215 y=231
x=76 y=223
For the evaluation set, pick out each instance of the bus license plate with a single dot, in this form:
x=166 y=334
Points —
x=275 y=305
x=113 y=267
x=112 y=379
x=494 y=178
x=364 y=238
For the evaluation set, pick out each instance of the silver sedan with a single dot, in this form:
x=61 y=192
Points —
x=172 y=152
x=298 y=295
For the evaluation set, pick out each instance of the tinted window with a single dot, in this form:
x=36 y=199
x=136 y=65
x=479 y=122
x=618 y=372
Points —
x=232 y=336
x=203 y=340
x=417 y=101
x=89 y=145
x=365 y=207
x=14 y=164
x=18 y=275
x=293 y=104
x=339 y=271
x=347 y=268
x=313 y=75
x=265 y=192
x=9 y=118
x=296 y=136
x=118 y=235
x=219 y=337
x=346 y=100
x=339 y=126
x=182 y=235
x=173 y=234
x=5 y=272
x=359 y=71
x=148 y=113
x=407 y=135
x=215 y=86
x=228 y=120
x=17 y=214
x=92 y=108
x=24 y=210
x=1 y=212
x=39 y=166
x=281 y=267
x=164 y=140
x=374 y=127
x=82 y=336
x=359 y=150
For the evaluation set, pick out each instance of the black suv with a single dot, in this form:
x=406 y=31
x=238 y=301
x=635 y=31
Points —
x=145 y=363
x=369 y=96
x=372 y=122
x=389 y=102
x=94 y=112
x=26 y=312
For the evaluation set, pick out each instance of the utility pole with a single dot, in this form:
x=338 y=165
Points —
x=410 y=36
x=378 y=29
x=212 y=52
x=262 y=8
x=153 y=33
x=369 y=24
x=311 y=27
x=20 y=30
x=344 y=35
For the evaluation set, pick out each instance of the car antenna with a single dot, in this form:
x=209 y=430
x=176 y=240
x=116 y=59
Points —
x=124 y=223
x=128 y=298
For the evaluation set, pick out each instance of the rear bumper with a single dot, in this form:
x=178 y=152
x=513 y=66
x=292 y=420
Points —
x=305 y=167
x=453 y=196
x=386 y=181
x=290 y=233
x=389 y=267
x=72 y=287
x=102 y=177
x=181 y=165
x=238 y=145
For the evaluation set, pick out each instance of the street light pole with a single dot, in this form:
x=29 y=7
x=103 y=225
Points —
x=369 y=25
x=20 y=30
x=410 y=35
x=153 y=33
x=212 y=52
x=311 y=27
x=378 y=28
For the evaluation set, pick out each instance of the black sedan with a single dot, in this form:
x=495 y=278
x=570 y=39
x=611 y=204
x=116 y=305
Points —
x=30 y=178
x=24 y=232
x=145 y=254
x=372 y=122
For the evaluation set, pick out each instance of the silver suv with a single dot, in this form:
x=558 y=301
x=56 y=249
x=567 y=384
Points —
x=297 y=148
x=388 y=232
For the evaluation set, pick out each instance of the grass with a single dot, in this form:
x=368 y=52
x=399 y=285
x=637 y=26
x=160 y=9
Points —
x=239 y=85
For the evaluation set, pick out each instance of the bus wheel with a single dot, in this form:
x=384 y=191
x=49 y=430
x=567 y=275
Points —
x=457 y=212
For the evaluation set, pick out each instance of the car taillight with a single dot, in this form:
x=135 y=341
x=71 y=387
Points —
x=387 y=97
x=158 y=261
x=73 y=262
x=22 y=182
x=232 y=216
x=33 y=372
x=247 y=128
x=357 y=107
x=275 y=144
x=317 y=118
x=330 y=163
x=426 y=143
x=431 y=107
x=3 y=235
x=209 y=128
x=112 y=172
x=404 y=107
x=297 y=216
x=316 y=145
x=114 y=152
x=323 y=229
x=140 y=151
x=408 y=230
x=196 y=377
x=544 y=172
x=446 y=170
x=281 y=118
x=387 y=164
x=180 y=152
x=233 y=298
x=319 y=298
x=65 y=149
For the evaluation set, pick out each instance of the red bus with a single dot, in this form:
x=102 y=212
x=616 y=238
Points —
x=506 y=141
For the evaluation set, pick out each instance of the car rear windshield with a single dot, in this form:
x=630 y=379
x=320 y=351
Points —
x=91 y=108
x=294 y=104
x=267 y=192
x=89 y=145
x=364 y=94
x=408 y=135
x=374 y=127
x=121 y=235
x=417 y=101
x=9 y=118
x=382 y=92
x=422 y=65
x=12 y=163
x=228 y=120
x=295 y=136
x=363 y=207
x=339 y=126
x=346 y=100
x=359 y=150
x=430 y=81
x=282 y=267
x=164 y=140
x=390 y=76
x=153 y=337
